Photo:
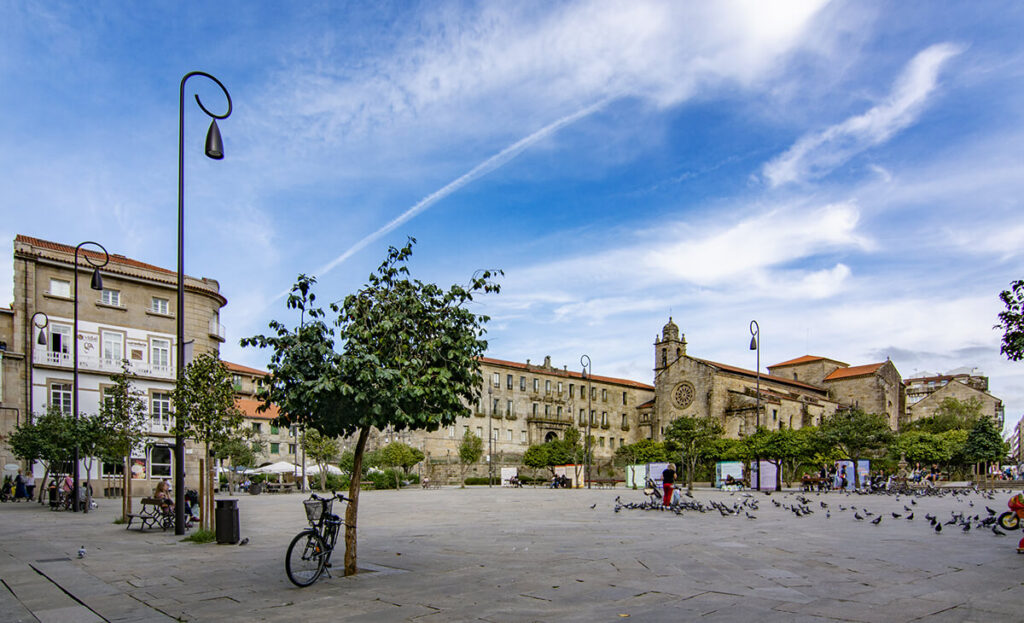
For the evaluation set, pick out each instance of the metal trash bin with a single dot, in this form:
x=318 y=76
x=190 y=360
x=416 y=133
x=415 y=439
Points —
x=227 y=521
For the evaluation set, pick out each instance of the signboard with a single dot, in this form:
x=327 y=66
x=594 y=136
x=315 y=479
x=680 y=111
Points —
x=724 y=469
x=507 y=474
x=138 y=469
x=654 y=472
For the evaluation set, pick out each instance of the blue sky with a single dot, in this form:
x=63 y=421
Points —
x=849 y=174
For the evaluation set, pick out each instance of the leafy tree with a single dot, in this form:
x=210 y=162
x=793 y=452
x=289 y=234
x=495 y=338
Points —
x=951 y=414
x=49 y=439
x=123 y=414
x=400 y=455
x=241 y=446
x=643 y=451
x=984 y=443
x=1011 y=321
x=471 y=448
x=409 y=360
x=565 y=451
x=695 y=437
x=787 y=449
x=204 y=410
x=322 y=449
x=91 y=437
x=855 y=433
x=918 y=446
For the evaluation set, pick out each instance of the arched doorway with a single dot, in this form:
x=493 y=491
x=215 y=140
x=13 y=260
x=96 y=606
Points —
x=551 y=436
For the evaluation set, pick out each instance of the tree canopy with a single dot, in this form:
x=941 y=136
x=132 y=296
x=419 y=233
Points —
x=696 y=437
x=1011 y=321
x=407 y=357
x=855 y=432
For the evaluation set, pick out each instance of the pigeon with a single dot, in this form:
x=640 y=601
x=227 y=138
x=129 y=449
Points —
x=910 y=517
x=593 y=505
x=990 y=511
x=877 y=520
x=967 y=527
x=914 y=502
x=81 y=552
x=244 y=541
x=996 y=531
x=828 y=514
x=938 y=527
x=857 y=516
x=749 y=516
x=896 y=515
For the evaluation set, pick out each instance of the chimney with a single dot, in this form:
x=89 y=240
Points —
x=547 y=361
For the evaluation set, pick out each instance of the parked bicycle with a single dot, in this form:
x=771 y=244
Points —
x=309 y=554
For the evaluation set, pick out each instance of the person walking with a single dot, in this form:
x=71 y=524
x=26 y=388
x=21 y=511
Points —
x=30 y=484
x=19 y=487
x=668 y=482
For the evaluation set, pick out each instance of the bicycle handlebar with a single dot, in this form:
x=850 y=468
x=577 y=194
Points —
x=334 y=495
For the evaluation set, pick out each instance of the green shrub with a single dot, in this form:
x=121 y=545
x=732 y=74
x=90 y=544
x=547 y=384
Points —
x=335 y=482
x=478 y=480
x=201 y=536
x=385 y=479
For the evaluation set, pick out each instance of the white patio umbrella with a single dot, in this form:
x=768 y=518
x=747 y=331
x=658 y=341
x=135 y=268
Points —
x=281 y=467
x=314 y=470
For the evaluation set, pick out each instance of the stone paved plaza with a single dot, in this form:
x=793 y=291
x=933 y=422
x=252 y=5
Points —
x=482 y=554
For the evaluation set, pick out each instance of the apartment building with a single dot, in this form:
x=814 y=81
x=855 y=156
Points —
x=132 y=317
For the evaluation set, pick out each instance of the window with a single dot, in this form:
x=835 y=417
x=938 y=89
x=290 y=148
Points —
x=160 y=462
x=623 y=397
x=480 y=431
x=494 y=433
x=60 y=287
x=593 y=393
x=465 y=430
x=508 y=381
x=622 y=442
x=161 y=354
x=547 y=410
x=508 y=408
x=60 y=396
x=604 y=418
x=559 y=387
x=160 y=408
x=522 y=383
x=110 y=297
x=509 y=436
x=59 y=344
x=536 y=385
x=494 y=406
x=604 y=395
x=274 y=430
x=535 y=409
x=293 y=430
x=257 y=427
x=775 y=414
x=559 y=412
x=600 y=441
x=625 y=421
x=547 y=386
x=593 y=417
x=113 y=469
x=108 y=397
x=113 y=346
x=522 y=436
x=583 y=417
x=275 y=448
x=160 y=306
x=496 y=379
x=291 y=448
x=611 y=442
x=572 y=389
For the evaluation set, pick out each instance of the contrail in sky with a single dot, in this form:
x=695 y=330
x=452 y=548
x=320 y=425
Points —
x=480 y=170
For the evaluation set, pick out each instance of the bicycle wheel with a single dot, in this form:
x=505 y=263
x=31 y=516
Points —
x=306 y=558
x=1009 y=520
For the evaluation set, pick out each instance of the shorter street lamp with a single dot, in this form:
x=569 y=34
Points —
x=96 y=284
x=490 y=438
x=755 y=344
x=588 y=370
x=40 y=340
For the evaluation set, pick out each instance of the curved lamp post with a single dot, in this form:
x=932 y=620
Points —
x=96 y=284
x=490 y=437
x=755 y=344
x=215 y=150
x=40 y=340
x=588 y=370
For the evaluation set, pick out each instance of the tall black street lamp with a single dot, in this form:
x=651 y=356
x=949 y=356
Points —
x=588 y=370
x=40 y=340
x=755 y=344
x=95 y=284
x=215 y=150
x=490 y=437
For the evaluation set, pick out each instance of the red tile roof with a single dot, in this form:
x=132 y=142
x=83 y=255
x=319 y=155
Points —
x=249 y=406
x=236 y=367
x=805 y=359
x=767 y=377
x=96 y=255
x=565 y=373
x=845 y=373
x=649 y=403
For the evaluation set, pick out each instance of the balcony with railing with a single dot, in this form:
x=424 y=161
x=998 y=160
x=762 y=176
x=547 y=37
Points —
x=217 y=331
x=92 y=363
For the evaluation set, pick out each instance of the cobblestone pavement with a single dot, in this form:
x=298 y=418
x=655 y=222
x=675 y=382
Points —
x=482 y=554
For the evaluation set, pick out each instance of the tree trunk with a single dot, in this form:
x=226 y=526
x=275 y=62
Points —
x=323 y=476
x=127 y=493
x=214 y=479
x=352 y=510
x=203 y=511
x=42 y=487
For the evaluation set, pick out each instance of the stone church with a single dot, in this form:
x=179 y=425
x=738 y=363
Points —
x=793 y=393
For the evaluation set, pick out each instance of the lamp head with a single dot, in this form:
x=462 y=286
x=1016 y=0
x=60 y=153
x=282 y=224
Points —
x=753 y=343
x=97 y=280
x=214 y=143
x=41 y=340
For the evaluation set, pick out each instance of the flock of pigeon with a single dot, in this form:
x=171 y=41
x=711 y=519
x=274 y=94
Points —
x=845 y=504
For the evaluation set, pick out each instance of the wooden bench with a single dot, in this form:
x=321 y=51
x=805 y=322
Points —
x=808 y=482
x=154 y=514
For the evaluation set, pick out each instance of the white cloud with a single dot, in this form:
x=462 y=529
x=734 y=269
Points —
x=816 y=154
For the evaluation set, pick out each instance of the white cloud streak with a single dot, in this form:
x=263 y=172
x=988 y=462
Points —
x=815 y=155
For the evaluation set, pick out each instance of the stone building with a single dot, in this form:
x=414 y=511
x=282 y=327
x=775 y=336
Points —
x=929 y=392
x=280 y=443
x=132 y=318
x=689 y=386
x=873 y=387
